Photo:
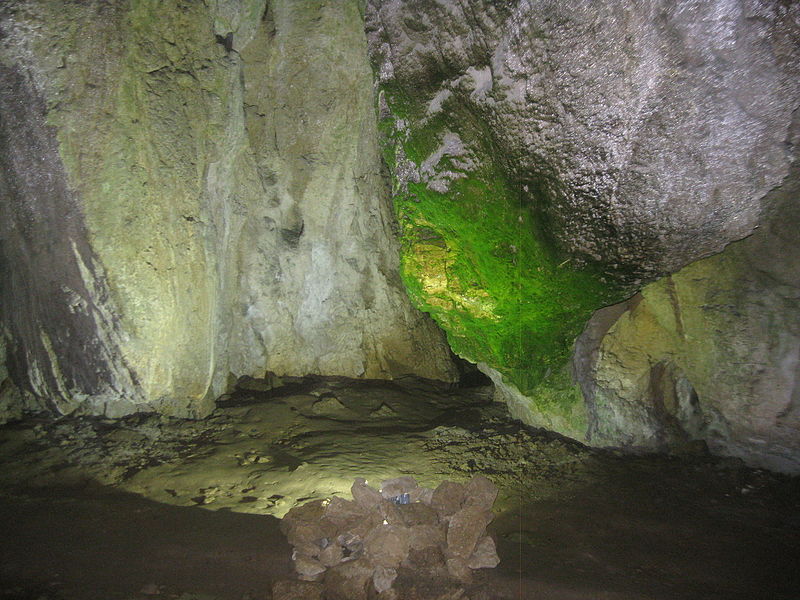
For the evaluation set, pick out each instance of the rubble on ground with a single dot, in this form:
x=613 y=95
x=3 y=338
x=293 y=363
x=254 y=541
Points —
x=357 y=548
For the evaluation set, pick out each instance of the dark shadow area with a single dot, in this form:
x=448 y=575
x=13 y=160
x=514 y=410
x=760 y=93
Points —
x=93 y=543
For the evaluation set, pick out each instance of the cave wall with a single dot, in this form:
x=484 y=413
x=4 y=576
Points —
x=709 y=353
x=612 y=144
x=192 y=192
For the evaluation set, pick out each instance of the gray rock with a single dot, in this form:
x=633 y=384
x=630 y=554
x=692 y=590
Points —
x=480 y=492
x=383 y=578
x=709 y=354
x=647 y=135
x=447 y=498
x=485 y=555
x=349 y=581
x=308 y=569
x=387 y=546
x=258 y=238
x=465 y=529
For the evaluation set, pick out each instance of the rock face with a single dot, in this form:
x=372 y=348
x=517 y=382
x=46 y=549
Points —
x=550 y=158
x=710 y=353
x=646 y=134
x=192 y=192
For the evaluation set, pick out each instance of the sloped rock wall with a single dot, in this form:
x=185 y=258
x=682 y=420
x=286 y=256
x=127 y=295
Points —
x=192 y=193
x=710 y=353
x=625 y=141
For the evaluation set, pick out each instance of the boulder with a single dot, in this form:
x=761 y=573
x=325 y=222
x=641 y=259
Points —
x=466 y=527
x=447 y=498
x=485 y=555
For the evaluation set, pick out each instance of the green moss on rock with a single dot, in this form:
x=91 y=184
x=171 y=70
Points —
x=476 y=257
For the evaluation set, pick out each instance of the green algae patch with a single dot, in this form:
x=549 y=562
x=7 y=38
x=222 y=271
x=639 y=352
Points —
x=476 y=258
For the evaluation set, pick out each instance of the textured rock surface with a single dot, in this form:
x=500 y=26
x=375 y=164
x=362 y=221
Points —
x=192 y=193
x=446 y=533
x=711 y=353
x=647 y=134
x=608 y=143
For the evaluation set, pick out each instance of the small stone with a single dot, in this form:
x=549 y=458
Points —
x=308 y=569
x=480 y=491
x=291 y=589
x=466 y=527
x=392 y=488
x=447 y=498
x=383 y=578
x=485 y=555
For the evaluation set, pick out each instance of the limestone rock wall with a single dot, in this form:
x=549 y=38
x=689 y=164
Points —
x=629 y=140
x=192 y=192
x=646 y=134
x=709 y=353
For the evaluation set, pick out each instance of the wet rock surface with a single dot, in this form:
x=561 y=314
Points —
x=157 y=501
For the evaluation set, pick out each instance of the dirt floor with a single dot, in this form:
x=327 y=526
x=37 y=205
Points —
x=149 y=507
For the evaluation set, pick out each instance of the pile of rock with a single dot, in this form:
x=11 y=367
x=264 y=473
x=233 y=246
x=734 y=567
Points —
x=357 y=548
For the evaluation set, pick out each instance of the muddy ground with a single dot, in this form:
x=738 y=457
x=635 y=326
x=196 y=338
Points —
x=149 y=507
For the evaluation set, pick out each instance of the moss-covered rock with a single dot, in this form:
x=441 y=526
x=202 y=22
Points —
x=550 y=158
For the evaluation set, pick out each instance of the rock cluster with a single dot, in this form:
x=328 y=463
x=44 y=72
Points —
x=357 y=548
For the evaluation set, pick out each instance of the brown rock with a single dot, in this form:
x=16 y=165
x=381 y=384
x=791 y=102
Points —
x=428 y=559
x=331 y=555
x=291 y=589
x=344 y=514
x=421 y=494
x=427 y=536
x=447 y=498
x=365 y=496
x=383 y=578
x=370 y=521
x=417 y=514
x=308 y=569
x=485 y=555
x=390 y=512
x=458 y=569
x=349 y=581
x=387 y=545
x=466 y=527
x=391 y=488
x=480 y=491
x=310 y=512
x=304 y=534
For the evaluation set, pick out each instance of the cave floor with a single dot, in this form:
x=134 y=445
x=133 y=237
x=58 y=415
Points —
x=151 y=507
